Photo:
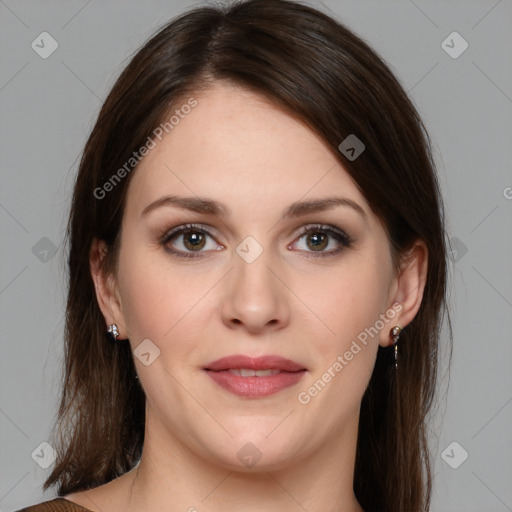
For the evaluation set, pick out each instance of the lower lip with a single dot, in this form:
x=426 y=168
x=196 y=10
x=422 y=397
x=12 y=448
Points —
x=255 y=387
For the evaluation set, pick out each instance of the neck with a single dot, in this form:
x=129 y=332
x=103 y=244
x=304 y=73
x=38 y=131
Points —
x=171 y=474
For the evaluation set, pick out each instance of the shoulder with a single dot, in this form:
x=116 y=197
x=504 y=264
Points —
x=55 y=505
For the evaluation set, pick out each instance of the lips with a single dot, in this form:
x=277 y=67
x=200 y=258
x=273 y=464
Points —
x=255 y=377
x=268 y=362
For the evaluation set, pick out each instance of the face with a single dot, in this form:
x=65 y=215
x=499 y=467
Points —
x=258 y=279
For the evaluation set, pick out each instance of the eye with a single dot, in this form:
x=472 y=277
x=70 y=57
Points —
x=319 y=237
x=189 y=239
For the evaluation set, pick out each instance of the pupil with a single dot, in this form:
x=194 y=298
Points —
x=193 y=239
x=318 y=240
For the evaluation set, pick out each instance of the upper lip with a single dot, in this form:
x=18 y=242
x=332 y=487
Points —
x=271 y=362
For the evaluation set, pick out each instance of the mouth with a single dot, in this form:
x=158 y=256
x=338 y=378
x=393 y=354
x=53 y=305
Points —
x=241 y=362
x=255 y=377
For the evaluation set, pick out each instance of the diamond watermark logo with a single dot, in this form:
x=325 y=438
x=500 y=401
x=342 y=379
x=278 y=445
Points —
x=352 y=147
x=44 y=455
x=457 y=249
x=44 y=250
x=249 y=454
x=44 y=45
x=454 y=45
x=454 y=455
x=146 y=352
x=249 y=249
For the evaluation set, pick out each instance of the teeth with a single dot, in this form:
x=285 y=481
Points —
x=247 y=372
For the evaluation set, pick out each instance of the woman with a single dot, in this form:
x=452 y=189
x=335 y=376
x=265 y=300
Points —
x=257 y=275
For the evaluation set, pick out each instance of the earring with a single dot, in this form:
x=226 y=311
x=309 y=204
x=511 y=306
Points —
x=395 y=334
x=113 y=331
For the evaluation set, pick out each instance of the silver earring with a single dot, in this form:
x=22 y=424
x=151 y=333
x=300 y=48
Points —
x=395 y=334
x=113 y=331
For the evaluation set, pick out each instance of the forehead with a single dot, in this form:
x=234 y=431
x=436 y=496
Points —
x=239 y=147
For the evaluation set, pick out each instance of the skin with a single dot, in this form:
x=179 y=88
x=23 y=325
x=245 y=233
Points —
x=255 y=159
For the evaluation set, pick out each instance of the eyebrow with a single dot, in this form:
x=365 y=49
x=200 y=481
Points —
x=209 y=206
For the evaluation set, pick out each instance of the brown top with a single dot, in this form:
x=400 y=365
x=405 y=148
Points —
x=55 y=505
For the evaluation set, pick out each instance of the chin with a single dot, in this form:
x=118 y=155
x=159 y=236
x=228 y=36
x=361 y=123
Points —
x=258 y=451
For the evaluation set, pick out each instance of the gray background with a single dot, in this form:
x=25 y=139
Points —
x=48 y=107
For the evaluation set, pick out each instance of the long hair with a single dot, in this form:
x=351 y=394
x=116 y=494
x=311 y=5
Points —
x=318 y=70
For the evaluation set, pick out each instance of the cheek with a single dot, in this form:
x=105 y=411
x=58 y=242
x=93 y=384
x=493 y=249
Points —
x=155 y=297
x=169 y=304
x=349 y=303
x=342 y=350
x=346 y=303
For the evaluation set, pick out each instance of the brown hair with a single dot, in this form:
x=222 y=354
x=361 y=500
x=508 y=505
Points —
x=314 y=67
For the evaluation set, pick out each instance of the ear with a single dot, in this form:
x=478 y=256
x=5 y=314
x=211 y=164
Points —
x=106 y=290
x=409 y=287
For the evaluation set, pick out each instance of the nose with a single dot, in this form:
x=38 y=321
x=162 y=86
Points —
x=256 y=298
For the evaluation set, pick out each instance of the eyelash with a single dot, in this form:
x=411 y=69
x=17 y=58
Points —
x=340 y=236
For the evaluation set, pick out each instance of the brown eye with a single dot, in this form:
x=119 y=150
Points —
x=319 y=238
x=188 y=241
x=193 y=240
x=318 y=241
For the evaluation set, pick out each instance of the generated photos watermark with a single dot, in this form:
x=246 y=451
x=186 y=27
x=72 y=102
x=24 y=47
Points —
x=304 y=397
x=137 y=156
